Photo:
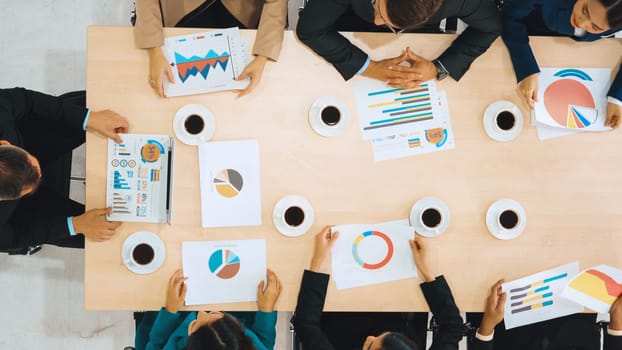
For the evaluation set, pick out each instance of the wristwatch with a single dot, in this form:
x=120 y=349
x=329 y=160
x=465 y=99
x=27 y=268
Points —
x=441 y=72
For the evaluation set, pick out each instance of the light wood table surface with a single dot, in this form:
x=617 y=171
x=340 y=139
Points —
x=571 y=187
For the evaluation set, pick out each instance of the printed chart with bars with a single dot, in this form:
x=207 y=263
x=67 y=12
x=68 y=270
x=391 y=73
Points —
x=403 y=122
x=596 y=288
x=206 y=62
x=573 y=99
x=536 y=298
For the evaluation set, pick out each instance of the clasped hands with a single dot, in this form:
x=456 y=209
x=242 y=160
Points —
x=396 y=74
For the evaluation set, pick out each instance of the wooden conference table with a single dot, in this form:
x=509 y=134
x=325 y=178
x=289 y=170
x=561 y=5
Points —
x=571 y=187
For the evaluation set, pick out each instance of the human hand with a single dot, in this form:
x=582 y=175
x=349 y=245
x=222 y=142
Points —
x=390 y=71
x=424 y=67
x=420 y=254
x=94 y=226
x=493 y=312
x=266 y=298
x=615 y=313
x=108 y=123
x=158 y=67
x=324 y=242
x=614 y=111
x=253 y=70
x=176 y=292
x=528 y=89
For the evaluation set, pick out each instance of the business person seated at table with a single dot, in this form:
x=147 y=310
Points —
x=171 y=329
x=269 y=17
x=308 y=318
x=574 y=332
x=37 y=129
x=582 y=20
x=318 y=29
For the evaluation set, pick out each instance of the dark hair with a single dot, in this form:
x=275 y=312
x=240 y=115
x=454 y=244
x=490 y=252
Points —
x=407 y=14
x=397 y=341
x=16 y=172
x=224 y=334
x=614 y=12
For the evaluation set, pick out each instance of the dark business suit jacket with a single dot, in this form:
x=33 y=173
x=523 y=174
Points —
x=23 y=109
x=311 y=303
x=316 y=29
x=556 y=16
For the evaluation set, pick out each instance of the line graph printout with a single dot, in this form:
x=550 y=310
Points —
x=206 y=62
x=536 y=298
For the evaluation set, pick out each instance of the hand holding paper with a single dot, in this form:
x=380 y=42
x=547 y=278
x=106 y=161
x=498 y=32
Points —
x=494 y=310
x=324 y=242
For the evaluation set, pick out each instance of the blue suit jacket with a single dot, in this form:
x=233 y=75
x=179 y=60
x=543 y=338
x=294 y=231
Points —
x=556 y=16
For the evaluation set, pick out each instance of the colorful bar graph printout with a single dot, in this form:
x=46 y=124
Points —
x=536 y=298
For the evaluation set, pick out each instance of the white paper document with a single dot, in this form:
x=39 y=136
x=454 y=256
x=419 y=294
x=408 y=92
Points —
x=230 y=185
x=537 y=298
x=571 y=99
x=223 y=271
x=206 y=62
x=596 y=288
x=372 y=254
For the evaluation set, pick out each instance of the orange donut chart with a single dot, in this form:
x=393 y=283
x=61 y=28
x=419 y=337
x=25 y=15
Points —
x=380 y=264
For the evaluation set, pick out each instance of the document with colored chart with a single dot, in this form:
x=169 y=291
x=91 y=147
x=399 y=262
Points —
x=140 y=178
x=230 y=186
x=537 y=298
x=596 y=288
x=223 y=271
x=372 y=254
x=206 y=62
x=403 y=122
x=572 y=100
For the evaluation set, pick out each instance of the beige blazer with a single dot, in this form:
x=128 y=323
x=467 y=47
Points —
x=268 y=16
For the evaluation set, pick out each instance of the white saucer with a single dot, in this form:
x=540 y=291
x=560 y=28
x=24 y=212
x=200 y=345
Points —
x=490 y=124
x=419 y=207
x=186 y=137
x=279 y=210
x=493 y=223
x=315 y=119
x=143 y=237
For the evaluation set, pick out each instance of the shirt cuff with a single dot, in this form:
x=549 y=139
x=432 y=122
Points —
x=484 y=337
x=614 y=332
x=86 y=119
x=614 y=100
x=365 y=65
x=72 y=231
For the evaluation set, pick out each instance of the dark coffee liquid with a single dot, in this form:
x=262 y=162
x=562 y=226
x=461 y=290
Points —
x=508 y=219
x=331 y=115
x=505 y=120
x=194 y=124
x=143 y=254
x=431 y=217
x=294 y=216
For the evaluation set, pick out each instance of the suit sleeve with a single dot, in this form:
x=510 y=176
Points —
x=612 y=342
x=484 y=23
x=163 y=327
x=477 y=344
x=516 y=37
x=308 y=313
x=18 y=103
x=148 y=31
x=316 y=29
x=269 y=37
x=264 y=328
x=443 y=307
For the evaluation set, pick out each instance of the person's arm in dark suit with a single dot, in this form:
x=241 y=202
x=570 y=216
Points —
x=443 y=307
x=613 y=335
x=516 y=37
x=316 y=29
x=485 y=26
x=493 y=315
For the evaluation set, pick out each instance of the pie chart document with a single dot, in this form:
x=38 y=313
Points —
x=230 y=187
x=223 y=271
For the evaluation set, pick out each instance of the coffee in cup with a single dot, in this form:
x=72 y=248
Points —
x=143 y=254
x=194 y=124
x=294 y=216
x=431 y=217
x=508 y=219
x=330 y=115
x=505 y=120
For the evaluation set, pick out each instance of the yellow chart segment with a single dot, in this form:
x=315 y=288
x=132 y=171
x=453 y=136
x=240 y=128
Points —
x=592 y=286
x=571 y=123
x=226 y=190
